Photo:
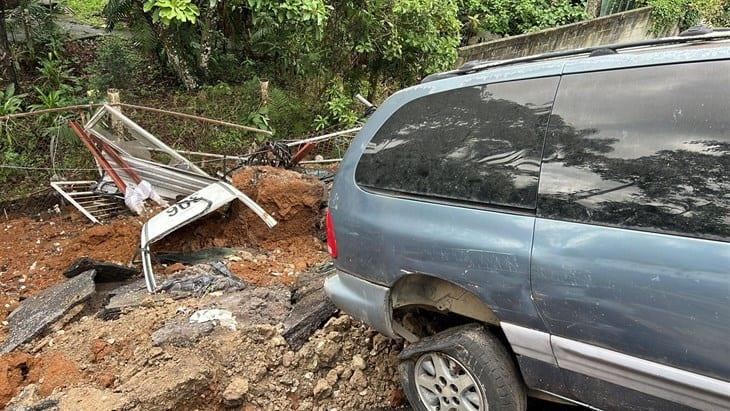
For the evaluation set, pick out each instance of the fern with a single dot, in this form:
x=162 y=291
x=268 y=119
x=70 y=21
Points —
x=117 y=11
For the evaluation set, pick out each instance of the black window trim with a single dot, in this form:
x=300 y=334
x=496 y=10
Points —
x=431 y=199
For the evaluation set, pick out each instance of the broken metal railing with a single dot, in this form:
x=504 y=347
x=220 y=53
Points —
x=328 y=148
x=186 y=211
x=89 y=200
x=144 y=138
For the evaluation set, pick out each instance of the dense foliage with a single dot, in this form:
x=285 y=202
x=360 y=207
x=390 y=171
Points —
x=208 y=56
x=685 y=13
x=511 y=17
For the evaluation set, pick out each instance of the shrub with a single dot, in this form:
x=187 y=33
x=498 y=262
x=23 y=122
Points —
x=512 y=17
x=117 y=65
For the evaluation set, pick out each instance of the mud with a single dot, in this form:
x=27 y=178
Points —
x=35 y=251
x=148 y=356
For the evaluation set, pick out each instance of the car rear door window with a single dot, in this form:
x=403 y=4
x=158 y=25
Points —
x=642 y=148
x=476 y=144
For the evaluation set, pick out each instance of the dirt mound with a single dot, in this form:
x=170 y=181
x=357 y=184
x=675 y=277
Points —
x=293 y=199
x=50 y=371
x=278 y=254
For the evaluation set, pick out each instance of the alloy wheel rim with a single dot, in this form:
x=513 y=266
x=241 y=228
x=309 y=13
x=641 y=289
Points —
x=444 y=384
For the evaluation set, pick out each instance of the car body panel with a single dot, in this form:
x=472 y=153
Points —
x=656 y=297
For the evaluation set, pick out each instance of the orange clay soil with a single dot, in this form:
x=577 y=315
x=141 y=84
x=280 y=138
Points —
x=35 y=252
x=49 y=371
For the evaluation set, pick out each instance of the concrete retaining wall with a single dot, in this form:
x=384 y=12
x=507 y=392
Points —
x=623 y=27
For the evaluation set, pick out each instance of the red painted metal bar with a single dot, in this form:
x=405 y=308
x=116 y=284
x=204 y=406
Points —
x=119 y=160
x=301 y=153
x=98 y=156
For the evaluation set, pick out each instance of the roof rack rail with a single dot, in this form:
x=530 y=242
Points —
x=687 y=36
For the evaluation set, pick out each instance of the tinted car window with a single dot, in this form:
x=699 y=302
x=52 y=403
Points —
x=480 y=144
x=645 y=148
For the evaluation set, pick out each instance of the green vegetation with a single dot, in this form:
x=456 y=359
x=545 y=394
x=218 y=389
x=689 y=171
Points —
x=117 y=65
x=686 y=13
x=87 y=11
x=511 y=17
x=208 y=56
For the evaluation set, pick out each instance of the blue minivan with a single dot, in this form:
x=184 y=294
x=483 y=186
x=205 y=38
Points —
x=555 y=226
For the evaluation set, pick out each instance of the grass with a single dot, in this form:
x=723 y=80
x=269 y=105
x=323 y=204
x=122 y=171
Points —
x=87 y=11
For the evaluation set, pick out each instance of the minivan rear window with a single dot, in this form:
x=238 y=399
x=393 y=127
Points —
x=476 y=144
x=642 y=148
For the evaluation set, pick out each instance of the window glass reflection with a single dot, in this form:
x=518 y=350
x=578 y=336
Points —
x=645 y=148
x=478 y=144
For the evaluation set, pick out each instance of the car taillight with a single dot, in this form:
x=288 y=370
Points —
x=331 y=241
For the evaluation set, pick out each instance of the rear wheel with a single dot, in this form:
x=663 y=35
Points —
x=463 y=368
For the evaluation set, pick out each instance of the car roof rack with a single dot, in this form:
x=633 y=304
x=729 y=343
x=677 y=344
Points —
x=693 y=34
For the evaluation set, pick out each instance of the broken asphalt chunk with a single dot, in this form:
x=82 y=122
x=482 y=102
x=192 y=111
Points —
x=105 y=272
x=38 y=312
x=202 y=279
x=311 y=310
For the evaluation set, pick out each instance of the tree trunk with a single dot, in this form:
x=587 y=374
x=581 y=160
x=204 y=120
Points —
x=593 y=8
x=6 y=55
x=208 y=23
x=178 y=63
x=27 y=27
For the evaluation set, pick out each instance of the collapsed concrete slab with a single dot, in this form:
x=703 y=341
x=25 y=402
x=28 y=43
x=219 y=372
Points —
x=38 y=312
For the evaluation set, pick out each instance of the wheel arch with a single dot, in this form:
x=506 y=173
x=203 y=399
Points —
x=441 y=296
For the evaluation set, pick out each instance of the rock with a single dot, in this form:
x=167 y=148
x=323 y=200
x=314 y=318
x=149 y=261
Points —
x=327 y=351
x=235 y=392
x=87 y=398
x=258 y=305
x=107 y=380
x=331 y=376
x=287 y=359
x=278 y=341
x=346 y=374
x=322 y=388
x=38 y=312
x=181 y=334
x=26 y=399
x=170 y=385
x=357 y=362
x=358 y=380
x=341 y=323
x=380 y=341
x=124 y=297
x=99 y=350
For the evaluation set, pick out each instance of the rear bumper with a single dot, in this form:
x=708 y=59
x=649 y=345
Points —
x=361 y=299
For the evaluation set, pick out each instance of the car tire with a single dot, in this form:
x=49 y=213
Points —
x=462 y=368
